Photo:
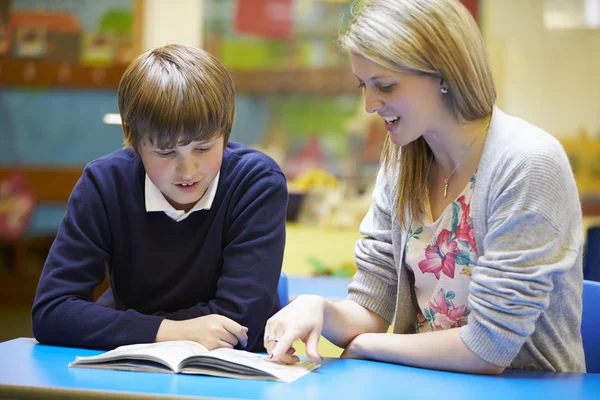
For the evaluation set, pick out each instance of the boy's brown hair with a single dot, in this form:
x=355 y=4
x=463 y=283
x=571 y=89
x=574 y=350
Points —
x=174 y=95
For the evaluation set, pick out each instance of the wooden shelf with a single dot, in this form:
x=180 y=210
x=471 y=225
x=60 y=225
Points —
x=57 y=74
x=68 y=75
x=302 y=81
x=50 y=183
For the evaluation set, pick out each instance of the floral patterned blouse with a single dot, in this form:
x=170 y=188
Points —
x=440 y=255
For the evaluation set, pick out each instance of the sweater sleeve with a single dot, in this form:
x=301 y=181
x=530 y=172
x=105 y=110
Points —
x=64 y=312
x=533 y=237
x=375 y=282
x=252 y=258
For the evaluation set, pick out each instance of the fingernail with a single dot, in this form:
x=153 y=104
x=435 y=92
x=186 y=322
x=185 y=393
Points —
x=244 y=344
x=270 y=356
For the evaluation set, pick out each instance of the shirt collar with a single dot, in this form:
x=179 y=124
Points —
x=156 y=201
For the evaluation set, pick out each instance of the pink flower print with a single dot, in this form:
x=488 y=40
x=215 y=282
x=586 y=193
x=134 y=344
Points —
x=464 y=230
x=441 y=257
x=443 y=321
x=446 y=314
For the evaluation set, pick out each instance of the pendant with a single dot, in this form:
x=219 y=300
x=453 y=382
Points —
x=445 y=187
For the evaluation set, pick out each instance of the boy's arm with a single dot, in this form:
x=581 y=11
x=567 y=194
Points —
x=63 y=311
x=252 y=256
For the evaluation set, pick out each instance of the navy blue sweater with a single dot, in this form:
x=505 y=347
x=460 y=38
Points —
x=226 y=260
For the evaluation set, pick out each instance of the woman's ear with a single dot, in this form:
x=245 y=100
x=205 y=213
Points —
x=443 y=86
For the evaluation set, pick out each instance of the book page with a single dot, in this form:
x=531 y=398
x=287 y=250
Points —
x=226 y=374
x=127 y=364
x=250 y=361
x=169 y=354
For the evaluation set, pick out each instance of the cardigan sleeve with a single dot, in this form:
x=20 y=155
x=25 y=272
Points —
x=533 y=237
x=374 y=285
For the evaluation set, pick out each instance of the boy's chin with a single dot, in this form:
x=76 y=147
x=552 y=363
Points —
x=188 y=202
x=184 y=202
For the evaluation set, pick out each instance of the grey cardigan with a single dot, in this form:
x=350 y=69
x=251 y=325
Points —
x=525 y=290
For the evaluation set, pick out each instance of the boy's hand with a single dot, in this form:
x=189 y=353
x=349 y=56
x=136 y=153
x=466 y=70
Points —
x=211 y=331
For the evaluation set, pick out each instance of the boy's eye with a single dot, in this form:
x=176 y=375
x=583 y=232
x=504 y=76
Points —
x=203 y=149
x=165 y=154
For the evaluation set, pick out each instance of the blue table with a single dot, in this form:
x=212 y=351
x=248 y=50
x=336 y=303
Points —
x=30 y=370
x=326 y=286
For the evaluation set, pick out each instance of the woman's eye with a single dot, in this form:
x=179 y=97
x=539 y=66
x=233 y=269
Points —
x=361 y=85
x=386 y=89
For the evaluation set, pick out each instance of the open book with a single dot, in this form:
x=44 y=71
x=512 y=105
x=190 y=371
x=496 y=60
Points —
x=188 y=357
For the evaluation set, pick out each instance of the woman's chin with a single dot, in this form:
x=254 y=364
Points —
x=399 y=140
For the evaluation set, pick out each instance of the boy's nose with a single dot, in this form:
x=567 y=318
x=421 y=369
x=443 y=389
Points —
x=186 y=169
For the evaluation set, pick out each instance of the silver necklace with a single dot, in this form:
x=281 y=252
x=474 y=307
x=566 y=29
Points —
x=447 y=180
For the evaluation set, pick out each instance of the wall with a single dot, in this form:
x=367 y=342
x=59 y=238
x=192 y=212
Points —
x=56 y=126
x=172 y=22
x=549 y=78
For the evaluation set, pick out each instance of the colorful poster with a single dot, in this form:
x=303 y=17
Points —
x=264 y=18
x=17 y=202
x=88 y=31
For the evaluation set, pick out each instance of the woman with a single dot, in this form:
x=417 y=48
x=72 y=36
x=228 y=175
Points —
x=474 y=237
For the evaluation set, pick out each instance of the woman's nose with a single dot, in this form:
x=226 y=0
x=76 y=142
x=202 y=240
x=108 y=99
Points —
x=372 y=104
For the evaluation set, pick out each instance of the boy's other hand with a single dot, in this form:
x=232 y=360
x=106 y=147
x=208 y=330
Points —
x=211 y=331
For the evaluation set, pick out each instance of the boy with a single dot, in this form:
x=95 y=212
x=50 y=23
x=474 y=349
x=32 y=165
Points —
x=190 y=226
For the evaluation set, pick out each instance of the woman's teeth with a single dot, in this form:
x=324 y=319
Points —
x=391 y=120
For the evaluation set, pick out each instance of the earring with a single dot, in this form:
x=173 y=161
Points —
x=443 y=90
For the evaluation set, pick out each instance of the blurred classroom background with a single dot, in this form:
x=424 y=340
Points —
x=61 y=61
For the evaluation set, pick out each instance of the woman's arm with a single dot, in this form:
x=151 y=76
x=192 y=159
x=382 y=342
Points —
x=442 y=350
x=371 y=299
x=345 y=320
x=309 y=316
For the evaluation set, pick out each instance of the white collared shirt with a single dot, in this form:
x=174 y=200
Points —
x=156 y=201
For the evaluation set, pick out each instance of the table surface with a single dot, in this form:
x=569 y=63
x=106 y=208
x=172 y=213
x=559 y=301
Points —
x=31 y=370
x=326 y=286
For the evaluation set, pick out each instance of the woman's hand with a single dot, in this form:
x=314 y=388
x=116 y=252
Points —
x=301 y=319
x=211 y=331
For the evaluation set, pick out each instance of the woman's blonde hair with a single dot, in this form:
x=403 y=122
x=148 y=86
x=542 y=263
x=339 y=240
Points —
x=174 y=95
x=437 y=38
